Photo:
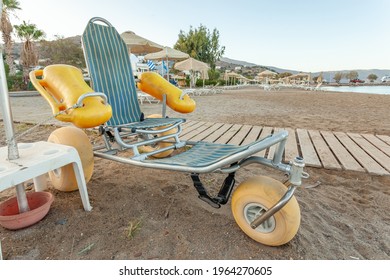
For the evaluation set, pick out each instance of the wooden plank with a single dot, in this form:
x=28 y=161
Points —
x=343 y=156
x=230 y=131
x=188 y=124
x=272 y=149
x=308 y=152
x=332 y=151
x=291 y=148
x=203 y=126
x=384 y=138
x=266 y=131
x=378 y=143
x=202 y=135
x=252 y=136
x=370 y=149
x=326 y=156
x=361 y=156
x=238 y=138
x=217 y=133
x=192 y=127
x=225 y=138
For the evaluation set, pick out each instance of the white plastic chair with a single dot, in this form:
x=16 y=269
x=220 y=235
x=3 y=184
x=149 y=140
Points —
x=35 y=160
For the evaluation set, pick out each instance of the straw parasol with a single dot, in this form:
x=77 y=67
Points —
x=139 y=45
x=231 y=76
x=167 y=54
x=320 y=79
x=193 y=65
x=267 y=73
x=304 y=77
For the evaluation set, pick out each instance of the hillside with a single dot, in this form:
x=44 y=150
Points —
x=225 y=61
x=328 y=75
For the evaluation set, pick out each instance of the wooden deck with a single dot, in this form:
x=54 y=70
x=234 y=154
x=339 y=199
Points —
x=322 y=149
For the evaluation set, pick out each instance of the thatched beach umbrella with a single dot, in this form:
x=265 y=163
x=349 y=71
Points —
x=267 y=73
x=139 y=45
x=301 y=77
x=320 y=79
x=228 y=76
x=167 y=54
x=193 y=65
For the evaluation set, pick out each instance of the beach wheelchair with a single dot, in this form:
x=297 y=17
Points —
x=264 y=208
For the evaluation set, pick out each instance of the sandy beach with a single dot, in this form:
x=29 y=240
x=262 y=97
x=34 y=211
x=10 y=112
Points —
x=345 y=217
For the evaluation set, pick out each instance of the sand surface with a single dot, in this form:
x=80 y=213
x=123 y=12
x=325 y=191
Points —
x=344 y=217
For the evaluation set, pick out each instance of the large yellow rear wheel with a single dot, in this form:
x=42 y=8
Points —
x=63 y=178
x=158 y=145
x=256 y=195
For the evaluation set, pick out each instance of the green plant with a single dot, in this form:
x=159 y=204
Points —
x=201 y=44
x=372 y=77
x=15 y=82
x=132 y=228
x=87 y=249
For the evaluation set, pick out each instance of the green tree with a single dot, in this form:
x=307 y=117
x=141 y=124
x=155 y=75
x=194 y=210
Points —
x=63 y=51
x=9 y=7
x=29 y=33
x=338 y=76
x=352 y=75
x=201 y=44
x=372 y=77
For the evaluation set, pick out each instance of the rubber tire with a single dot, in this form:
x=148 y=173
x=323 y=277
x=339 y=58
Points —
x=266 y=191
x=64 y=179
x=158 y=145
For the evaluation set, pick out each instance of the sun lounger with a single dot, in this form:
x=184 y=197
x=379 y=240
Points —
x=264 y=208
x=143 y=97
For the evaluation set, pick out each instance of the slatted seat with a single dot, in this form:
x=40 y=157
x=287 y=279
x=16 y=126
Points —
x=202 y=154
x=151 y=123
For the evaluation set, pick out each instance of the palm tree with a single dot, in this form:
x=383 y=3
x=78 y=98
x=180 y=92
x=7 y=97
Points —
x=9 y=7
x=29 y=33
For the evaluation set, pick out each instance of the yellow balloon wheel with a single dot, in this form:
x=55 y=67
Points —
x=256 y=195
x=63 y=178
x=158 y=145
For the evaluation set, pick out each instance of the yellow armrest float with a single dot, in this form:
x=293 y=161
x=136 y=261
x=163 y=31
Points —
x=155 y=85
x=62 y=86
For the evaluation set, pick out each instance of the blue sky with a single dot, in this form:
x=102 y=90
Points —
x=301 y=35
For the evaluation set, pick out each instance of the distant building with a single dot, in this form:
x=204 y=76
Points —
x=385 y=79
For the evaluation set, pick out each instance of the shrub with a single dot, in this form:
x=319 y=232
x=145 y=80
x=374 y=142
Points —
x=15 y=82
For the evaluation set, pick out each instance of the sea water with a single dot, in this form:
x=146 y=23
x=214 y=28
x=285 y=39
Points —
x=361 y=89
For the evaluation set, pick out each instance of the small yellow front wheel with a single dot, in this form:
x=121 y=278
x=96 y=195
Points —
x=158 y=145
x=255 y=196
x=63 y=178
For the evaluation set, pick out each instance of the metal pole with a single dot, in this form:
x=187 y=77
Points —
x=13 y=152
x=1 y=252
x=6 y=111
x=279 y=205
x=22 y=199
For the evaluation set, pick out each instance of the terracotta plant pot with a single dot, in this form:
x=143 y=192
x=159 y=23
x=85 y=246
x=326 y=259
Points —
x=39 y=203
